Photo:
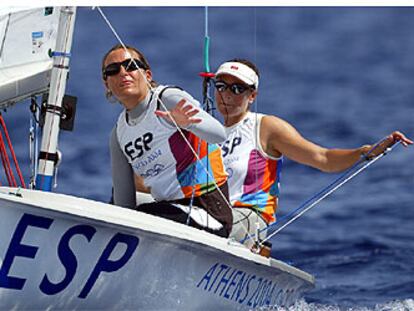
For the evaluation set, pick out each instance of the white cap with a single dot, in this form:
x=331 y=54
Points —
x=240 y=71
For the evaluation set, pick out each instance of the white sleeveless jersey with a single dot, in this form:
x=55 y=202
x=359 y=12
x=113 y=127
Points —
x=158 y=153
x=253 y=175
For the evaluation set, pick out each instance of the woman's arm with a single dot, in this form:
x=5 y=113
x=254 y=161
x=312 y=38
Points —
x=122 y=175
x=140 y=185
x=188 y=115
x=279 y=137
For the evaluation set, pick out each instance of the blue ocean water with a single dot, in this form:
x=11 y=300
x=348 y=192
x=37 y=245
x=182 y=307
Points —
x=343 y=77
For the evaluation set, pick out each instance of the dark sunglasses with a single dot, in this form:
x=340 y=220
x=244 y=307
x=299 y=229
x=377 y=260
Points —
x=235 y=88
x=129 y=65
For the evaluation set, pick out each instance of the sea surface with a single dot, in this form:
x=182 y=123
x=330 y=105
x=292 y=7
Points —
x=343 y=77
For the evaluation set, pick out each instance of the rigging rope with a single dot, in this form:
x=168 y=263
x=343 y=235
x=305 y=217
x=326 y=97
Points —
x=33 y=141
x=206 y=42
x=349 y=174
x=6 y=163
x=207 y=74
x=259 y=243
x=162 y=104
x=5 y=158
x=207 y=101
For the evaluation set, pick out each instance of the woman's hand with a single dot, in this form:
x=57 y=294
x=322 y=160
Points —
x=398 y=136
x=375 y=150
x=181 y=113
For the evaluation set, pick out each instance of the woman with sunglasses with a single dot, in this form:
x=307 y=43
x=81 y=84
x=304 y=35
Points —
x=151 y=145
x=256 y=144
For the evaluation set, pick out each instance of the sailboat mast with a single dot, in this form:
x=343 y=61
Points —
x=48 y=151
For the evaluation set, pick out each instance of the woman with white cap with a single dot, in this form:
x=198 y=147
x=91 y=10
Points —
x=256 y=144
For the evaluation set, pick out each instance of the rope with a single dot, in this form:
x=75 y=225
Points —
x=207 y=75
x=6 y=163
x=206 y=41
x=112 y=28
x=208 y=102
x=257 y=140
x=194 y=188
x=5 y=159
x=161 y=102
x=166 y=110
x=335 y=185
x=33 y=141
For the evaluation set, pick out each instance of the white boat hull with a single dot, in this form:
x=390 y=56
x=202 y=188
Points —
x=63 y=252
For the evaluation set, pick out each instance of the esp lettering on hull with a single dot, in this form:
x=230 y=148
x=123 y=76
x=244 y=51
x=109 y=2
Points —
x=18 y=250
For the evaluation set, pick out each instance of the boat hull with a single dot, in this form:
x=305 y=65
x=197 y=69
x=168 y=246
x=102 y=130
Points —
x=63 y=252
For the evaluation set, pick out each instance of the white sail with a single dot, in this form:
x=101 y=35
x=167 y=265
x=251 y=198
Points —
x=27 y=35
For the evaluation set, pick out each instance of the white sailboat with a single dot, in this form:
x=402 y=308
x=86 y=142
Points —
x=63 y=252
